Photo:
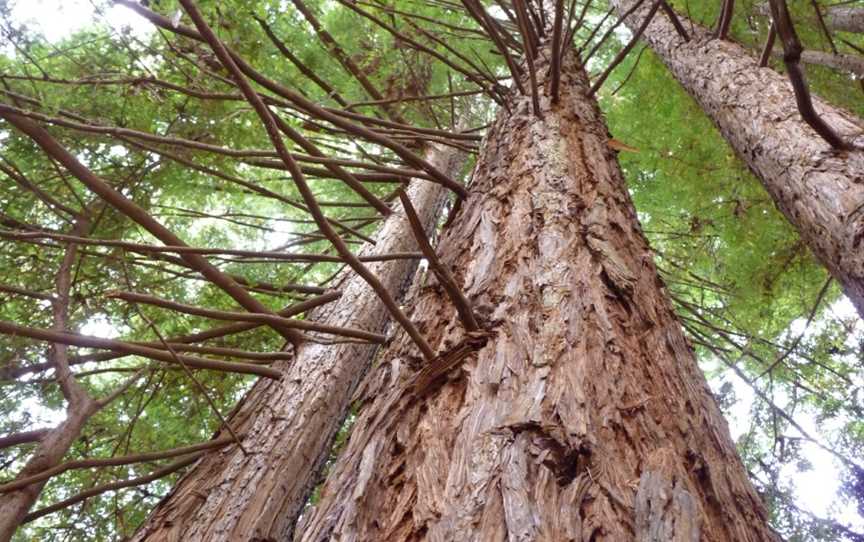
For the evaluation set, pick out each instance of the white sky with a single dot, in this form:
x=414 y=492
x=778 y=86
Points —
x=815 y=489
x=57 y=19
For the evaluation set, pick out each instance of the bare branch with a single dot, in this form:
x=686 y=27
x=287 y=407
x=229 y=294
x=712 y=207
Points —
x=302 y=186
x=305 y=70
x=769 y=46
x=337 y=119
x=622 y=54
x=530 y=48
x=266 y=319
x=138 y=214
x=792 y=49
x=725 y=20
x=187 y=250
x=463 y=306
x=113 y=486
x=24 y=437
x=343 y=58
x=87 y=341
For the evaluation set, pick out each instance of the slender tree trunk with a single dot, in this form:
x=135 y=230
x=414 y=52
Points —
x=49 y=453
x=840 y=61
x=583 y=414
x=79 y=408
x=289 y=425
x=849 y=19
x=821 y=192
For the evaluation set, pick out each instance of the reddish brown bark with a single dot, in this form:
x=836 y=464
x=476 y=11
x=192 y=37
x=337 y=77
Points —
x=584 y=416
x=289 y=425
x=819 y=190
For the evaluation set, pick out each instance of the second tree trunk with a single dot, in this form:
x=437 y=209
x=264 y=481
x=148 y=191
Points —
x=289 y=425
x=819 y=190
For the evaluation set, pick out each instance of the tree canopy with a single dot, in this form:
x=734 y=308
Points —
x=154 y=114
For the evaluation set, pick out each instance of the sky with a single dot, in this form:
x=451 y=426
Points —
x=57 y=19
x=816 y=489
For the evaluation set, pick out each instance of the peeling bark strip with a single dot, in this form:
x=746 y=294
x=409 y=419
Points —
x=290 y=425
x=819 y=191
x=584 y=415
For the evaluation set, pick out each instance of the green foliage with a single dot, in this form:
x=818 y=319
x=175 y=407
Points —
x=742 y=281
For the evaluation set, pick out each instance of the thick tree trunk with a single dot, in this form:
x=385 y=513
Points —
x=820 y=191
x=290 y=424
x=849 y=19
x=583 y=414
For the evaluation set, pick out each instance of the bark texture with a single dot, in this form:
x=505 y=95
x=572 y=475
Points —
x=582 y=414
x=290 y=424
x=821 y=192
x=848 y=19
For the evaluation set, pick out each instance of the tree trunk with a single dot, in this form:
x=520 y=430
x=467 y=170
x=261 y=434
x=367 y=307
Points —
x=848 y=19
x=583 y=414
x=289 y=425
x=79 y=408
x=840 y=61
x=49 y=453
x=820 y=191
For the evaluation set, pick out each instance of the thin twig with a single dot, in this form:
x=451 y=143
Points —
x=463 y=306
x=112 y=462
x=98 y=490
x=769 y=46
x=622 y=54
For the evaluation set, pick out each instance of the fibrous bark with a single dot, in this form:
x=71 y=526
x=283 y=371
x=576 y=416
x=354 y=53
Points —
x=290 y=424
x=581 y=415
x=849 y=19
x=820 y=191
